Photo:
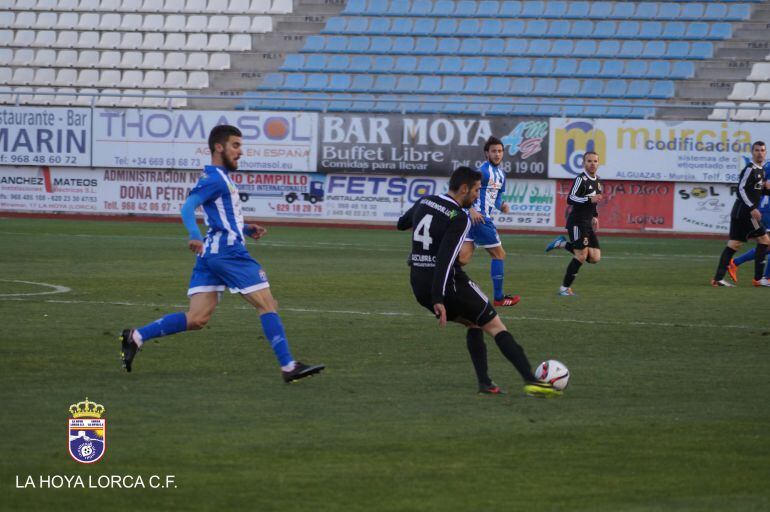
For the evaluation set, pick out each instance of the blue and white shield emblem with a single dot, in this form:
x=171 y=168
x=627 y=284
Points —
x=87 y=432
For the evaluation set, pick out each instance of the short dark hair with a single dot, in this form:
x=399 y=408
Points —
x=463 y=176
x=757 y=143
x=590 y=153
x=219 y=134
x=492 y=141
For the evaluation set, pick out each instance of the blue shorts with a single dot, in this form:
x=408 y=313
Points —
x=766 y=219
x=233 y=268
x=484 y=235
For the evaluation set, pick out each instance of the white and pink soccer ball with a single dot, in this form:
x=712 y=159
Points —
x=554 y=372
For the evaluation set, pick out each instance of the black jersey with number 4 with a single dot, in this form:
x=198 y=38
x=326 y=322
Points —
x=750 y=190
x=439 y=225
x=583 y=188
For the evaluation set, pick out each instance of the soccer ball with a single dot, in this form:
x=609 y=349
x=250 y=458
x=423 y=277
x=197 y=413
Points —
x=553 y=372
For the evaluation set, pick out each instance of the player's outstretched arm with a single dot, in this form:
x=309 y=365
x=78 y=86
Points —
x=405 y=221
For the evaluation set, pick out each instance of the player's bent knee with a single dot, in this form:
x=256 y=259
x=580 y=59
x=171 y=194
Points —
x=197 y=322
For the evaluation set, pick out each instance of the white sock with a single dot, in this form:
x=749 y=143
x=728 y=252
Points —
x=289 y=367
x=137 y=338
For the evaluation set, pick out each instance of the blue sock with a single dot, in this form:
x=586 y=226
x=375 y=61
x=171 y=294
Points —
x=273 y=329
x=169 y=324
x=746 y=256
x=497 y=271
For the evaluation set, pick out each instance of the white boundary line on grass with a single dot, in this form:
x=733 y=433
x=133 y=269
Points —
x=56 y=289
x=426 y=315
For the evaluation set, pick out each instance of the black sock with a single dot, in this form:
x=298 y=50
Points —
x=724 y=260
x=515 y=354
x=571 y=274
x=568 y=247
x=759 y=261
x=478 y=351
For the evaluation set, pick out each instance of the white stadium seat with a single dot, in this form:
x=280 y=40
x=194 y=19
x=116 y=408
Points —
x=88 y=59
x=198 y=80
x=110 y=40
x=45 y=57
x=130 y=98
x=7 y=18
x=742 y=91
x=6 y=56
x=86 y=97
x=88 y=5
x=219 y=61
x=218 y=23
x=239 y=43
x=45 y=77
x=131 y=5
x=154 y=79
x=68 y=21
x=111 y=5
x=151 y=100
x=155 y=40
x=174 y=42
x=109 y=78
x=173 y=6
x=133 y=40
x=131 y=22
x=218 y=42
x=764 y=114
x=24 y=94
x=196 y=42
x=197 y=61
x=261 y=24
x=24 y=38
x=65 y=5
x=153 y=60
x=67 y=58
x=153 y=23
x=110 y=59
x=240 y=24
x=65 y=96
x=87 y=78
x=23 y=57
x=175 y=60
x=196 y=23
x=132 y=78
x=259 y=7
x=110 y=21
x=6 y=95
x=239 y=6
x=760 y=71
x=24 y=5
x=6 y=75
x=88 y=39
x=47 y=20
x=131 y=60
x=174 y=23
x=50 y=5
x=748 y=113
x=108 y=98
x=211 y=6
x=88 y=21
x=44 y=96
x=67 y=39
x=24 y=20
x=178 y=102
x=151 y=5
x=281 y=7
x=45 y=39
x=66 y=77
x=6 y=37
x=762 y=93
x=23 y=76
x=175 y=79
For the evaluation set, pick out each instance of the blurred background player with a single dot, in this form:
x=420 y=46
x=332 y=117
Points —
x=483 y=232
x=222 y=260
x=764 y=209
x=439 y=226
x=582 y=222
x=746 y=219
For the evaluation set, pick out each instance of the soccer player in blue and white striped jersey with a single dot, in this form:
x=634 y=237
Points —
x=222 y=260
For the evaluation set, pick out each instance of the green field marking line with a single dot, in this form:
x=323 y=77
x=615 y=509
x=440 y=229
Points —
x=635 y=323
x=55 y=289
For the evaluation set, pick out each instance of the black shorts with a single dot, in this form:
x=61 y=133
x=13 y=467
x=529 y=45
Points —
x=463 y=300
x=744 y=227
x=582 y=236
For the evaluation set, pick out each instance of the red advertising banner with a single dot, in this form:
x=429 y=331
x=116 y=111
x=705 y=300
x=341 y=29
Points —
x=627 y=205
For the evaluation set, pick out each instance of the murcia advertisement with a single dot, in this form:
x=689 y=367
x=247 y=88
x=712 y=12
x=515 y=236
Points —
x=428 y=145
x=140 y=138
x=689 y=151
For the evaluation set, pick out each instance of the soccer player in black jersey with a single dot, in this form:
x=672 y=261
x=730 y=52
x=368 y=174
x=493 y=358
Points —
x=582 y=222
x=745 y=217
x=439 y=225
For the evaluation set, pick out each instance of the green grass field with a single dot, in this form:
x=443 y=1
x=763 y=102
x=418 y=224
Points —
x=667 y=407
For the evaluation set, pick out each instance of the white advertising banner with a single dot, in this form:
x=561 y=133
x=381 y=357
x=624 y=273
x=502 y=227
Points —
x=178 y=139
x=634 y=149
x=532 y=204
x=703 y=208
x=45 y=136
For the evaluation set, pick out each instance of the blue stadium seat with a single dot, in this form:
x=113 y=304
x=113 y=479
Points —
x=565 y=67
x=384 y=83
x=338 y=63
x=623 y=10
x=651 y=30
x=465 y=9
x=589 y=68
x=378 y=8
x=662 y=89
x=318 y=101
x=524 y=108
x=674 y=30
x=737 y=12
x=401 y=26
x=405 y=64
x=363 y=103
x=468 y=28
x=379 y=26
x=362 y=83
x=601 y=10
x=454 y=105
x=476 y=85
x=697 y=30
x=721 y=31
x=493 y=46
x=446 y=27
x=295 y=81
x=639 y=89
x=500 y=108
x=336 y=44
x=452 y=84
x=420 y=8
x=539 y=47
x=403 y=45
x=381 y=44
x=510 y=9
x=591 y=88
x=568 y=87
x=314 y=44
x=360 y=64
x=358 y=44
x=548 y=108
x=646 y=11
x=619 y=110
x=430 y=85
x=491 y=28
x=409 y=103
x=585 y=48
x=516 y=46
x=513 y=28
x=612 y=68
x=354 y=7
x=636 y=68
x=520 y=66
x=293 y=103
x=522 y=86
x=293 y=62
x=605 y=29
x=669 y=11
x=496 y=66
x=681 y=69
x=355 y=25
x=582 y=28
x=562 y=48
x=555 y=9
x=451 y=65
x=488 y=9
x=472 y=66
x=691 y=11
x=595 y=109
x=608 y=49
x=571 y=110
x=425 y=45
x=424 y=27
x=448 y=45
x=428 y=65
x=578 y=10
x=717 y=11
x=627 y=30
x=655 y=49
x=340 y=103
x=532 y=9
x=500 y=85
x=315 y=62
x=272 y=81
x=315 y=82
x=407 y=83
x=383 y=64
x=543 y=66
x=335 y=25
x=399 y=8
x=339 y=82
x=443 y=8
x=659 y=68
x=470 y=46
x=631 y=49
x=642 y=110
x=559 y=28
x=386 y=103
x=701 y=50
x=545 y=86
x=536 y=28
x=678 y=50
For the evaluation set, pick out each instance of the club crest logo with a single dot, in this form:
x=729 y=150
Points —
x=87 y=432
